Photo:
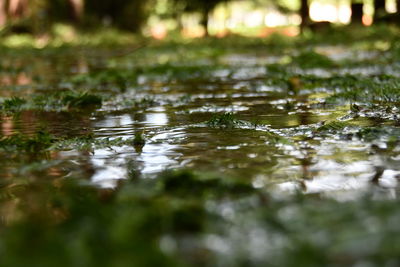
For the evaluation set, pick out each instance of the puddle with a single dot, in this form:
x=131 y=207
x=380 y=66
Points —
x=171 y=114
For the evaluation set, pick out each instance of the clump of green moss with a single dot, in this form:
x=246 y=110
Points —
x=332 y=126
x=383 y=90
x=81 y=100
x=13 y=104
x=185 y=182
x=139 y=139
x=89 y=142
x=54 y=101
x=311 y=59
x=142 y=103
x=225 y=120
x=110 y=78
x=41 y=141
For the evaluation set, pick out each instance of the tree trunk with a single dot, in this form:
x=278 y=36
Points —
x=356 y=13
x=398 y=6
x=398 y=12
x=379 y=10
x=304 y=14
x=17 y=8
x=3 y=13
x=204 y=21
x=77 y=9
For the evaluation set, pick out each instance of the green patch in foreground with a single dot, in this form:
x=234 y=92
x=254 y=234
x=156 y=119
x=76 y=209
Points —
x=178 y=218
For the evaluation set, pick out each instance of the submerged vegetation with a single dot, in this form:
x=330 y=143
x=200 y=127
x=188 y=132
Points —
x=214 y=152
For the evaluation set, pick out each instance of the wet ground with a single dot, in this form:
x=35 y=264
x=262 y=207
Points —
x=169 y=97
x=278 y=153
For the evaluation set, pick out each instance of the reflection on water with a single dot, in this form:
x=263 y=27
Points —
x=176 y=135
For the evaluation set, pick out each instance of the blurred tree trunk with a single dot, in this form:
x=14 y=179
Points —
x=77 y=9
x=3 y=13
x=398 y=7
x=132 y=17
x=205 y=19
x=17 y=8
x=379 y=10
x=356 y=13
x=204 y=7
x=304 y=14
x=123 y=14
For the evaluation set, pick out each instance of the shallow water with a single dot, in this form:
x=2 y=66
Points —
x=177 y=135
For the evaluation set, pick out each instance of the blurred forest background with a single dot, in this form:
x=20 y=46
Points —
x=191 y=18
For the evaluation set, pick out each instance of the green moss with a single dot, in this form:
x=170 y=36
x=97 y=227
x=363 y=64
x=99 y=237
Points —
x=335 y=126
x=13 y=104
x=112 y=77
x=311 y=59
x=54 y=101
x=188 y=183
x=81 y=100
x=89 y=142
x=18 y=142
x=382 y=90
x=147 y=219
x=143 y=103
x=225 y=120
x=139 y=139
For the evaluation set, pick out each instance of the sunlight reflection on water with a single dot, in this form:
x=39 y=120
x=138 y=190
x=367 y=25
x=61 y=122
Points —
x=171 y=113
